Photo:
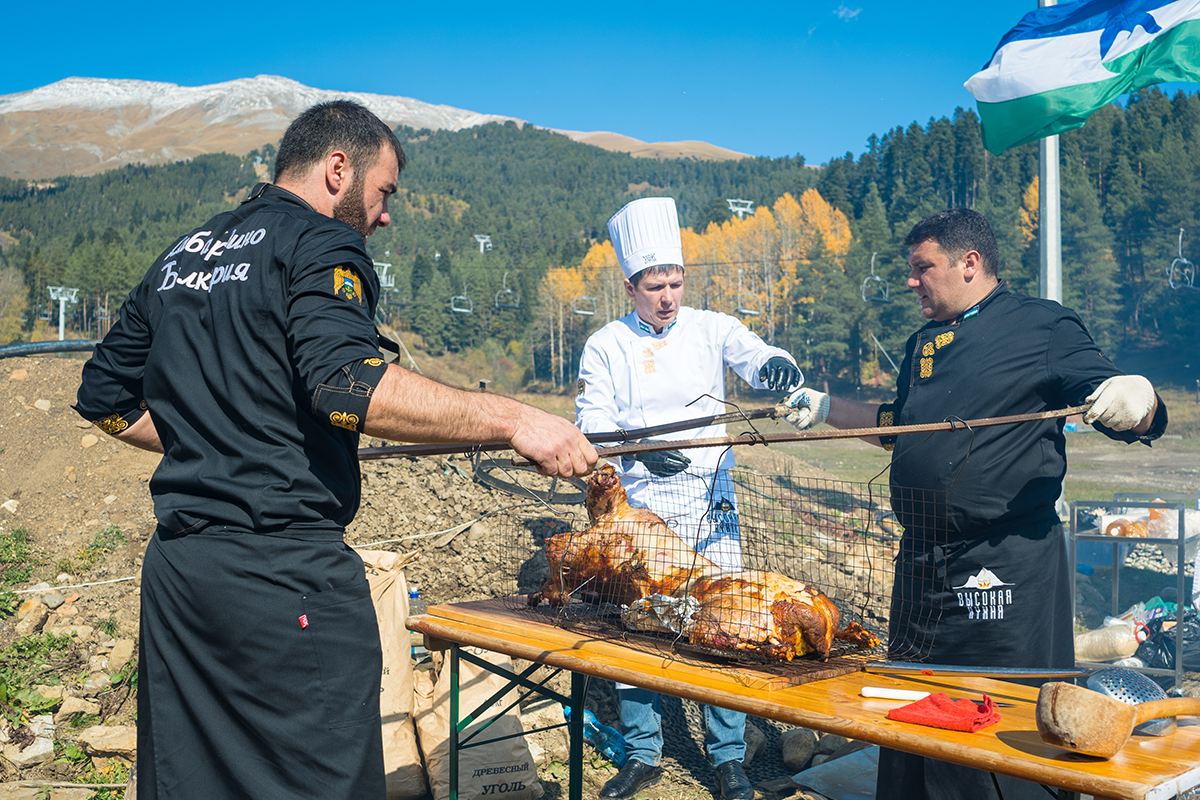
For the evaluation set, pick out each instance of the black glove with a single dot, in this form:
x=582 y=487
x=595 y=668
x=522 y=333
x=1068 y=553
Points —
x=780 y=375
x=664 y=463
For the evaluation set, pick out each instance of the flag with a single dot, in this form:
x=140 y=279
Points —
x=1061 y=63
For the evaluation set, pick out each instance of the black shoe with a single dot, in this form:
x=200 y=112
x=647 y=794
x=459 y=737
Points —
x=733 y=783
x=633 y=777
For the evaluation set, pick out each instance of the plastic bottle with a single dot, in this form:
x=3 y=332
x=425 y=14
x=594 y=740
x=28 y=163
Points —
x=1117 y=638
x=416 y=606
x=608 y=741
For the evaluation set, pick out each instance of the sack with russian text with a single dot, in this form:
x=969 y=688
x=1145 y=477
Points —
x=389 y=592
x=498 y=767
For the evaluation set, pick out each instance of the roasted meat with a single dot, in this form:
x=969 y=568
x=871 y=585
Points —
x=628 y=553
x=763 y=613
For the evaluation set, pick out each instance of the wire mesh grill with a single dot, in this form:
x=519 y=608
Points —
x=738 y=564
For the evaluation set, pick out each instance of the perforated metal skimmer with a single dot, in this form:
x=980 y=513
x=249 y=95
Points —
x=1132 y=688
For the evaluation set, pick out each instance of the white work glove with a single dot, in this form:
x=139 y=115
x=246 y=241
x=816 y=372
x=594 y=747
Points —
x=1121 y=402
x=805 y=408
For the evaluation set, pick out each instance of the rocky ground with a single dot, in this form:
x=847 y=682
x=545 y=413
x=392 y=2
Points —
x=78 y=501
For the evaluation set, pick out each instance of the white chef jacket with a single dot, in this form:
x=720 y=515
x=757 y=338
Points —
x=631 y=377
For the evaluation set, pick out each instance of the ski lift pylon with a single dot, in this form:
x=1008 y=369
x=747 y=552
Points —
x=875 y=288
x=506 y=297
x=1182 y=273
x=584 y=306
x=461 y=304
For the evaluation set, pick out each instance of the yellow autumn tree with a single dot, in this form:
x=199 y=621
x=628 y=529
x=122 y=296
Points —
x=1027 y=216
x=603 y=288
x=718 y=248
x=754 y=250
x=560 y=288
x=13 y=304
x=832 y=225
x=698 y=263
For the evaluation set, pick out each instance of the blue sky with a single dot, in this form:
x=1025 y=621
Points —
x=807 y=78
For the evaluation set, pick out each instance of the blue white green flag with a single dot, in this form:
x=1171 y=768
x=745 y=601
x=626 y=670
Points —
x=1063 y=62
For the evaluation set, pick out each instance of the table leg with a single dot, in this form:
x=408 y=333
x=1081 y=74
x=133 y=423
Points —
x=579 y=684
x=453 y=776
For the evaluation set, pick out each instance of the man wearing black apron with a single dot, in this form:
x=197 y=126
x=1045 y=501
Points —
x=982 y=577
x=248 y=357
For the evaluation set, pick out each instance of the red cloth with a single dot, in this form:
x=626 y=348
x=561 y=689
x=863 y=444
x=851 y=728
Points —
x=939 y=711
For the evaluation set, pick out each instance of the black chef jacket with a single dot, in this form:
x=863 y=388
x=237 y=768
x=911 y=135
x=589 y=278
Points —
x=983 y=547
x=983 y=577
x=251 y=341
x=1009 y=355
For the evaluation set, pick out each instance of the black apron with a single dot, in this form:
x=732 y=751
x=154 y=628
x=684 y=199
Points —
x=1002 y=599
x=260 y=670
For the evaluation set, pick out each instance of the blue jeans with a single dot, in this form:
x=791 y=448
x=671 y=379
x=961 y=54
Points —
x=641 y=725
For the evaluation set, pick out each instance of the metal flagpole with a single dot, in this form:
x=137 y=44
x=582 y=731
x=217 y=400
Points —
x=1049 y=215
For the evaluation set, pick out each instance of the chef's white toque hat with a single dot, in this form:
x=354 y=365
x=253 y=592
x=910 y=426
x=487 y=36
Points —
x=645 y=233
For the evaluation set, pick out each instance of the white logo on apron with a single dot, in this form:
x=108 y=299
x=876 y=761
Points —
x=984 y=598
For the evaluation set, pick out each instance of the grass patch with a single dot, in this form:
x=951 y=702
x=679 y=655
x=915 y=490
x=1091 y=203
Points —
x=86 y=771
x=1184 y=412
x=93 y=553
x=14 y=567
x=20 y=663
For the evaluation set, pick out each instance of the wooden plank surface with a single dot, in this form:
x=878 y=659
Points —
x=1148 y=768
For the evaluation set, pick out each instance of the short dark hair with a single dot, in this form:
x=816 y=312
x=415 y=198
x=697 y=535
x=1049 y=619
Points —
x=335 y=125
x=957 y=231
x=657 y=269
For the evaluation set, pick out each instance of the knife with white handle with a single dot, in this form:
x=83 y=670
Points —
x=892 y=694
x=905 y=694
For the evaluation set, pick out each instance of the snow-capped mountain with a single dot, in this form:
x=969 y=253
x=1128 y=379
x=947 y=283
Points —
x=82 y=126
x=87 y=125
x=264 y=101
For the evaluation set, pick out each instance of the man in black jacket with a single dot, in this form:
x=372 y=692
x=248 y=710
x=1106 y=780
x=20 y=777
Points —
x=982 y=577
x=248 y=357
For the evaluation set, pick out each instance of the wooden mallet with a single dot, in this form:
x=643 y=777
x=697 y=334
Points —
x=1085 y=721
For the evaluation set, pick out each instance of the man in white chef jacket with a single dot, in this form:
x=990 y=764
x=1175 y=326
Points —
x=664 y=363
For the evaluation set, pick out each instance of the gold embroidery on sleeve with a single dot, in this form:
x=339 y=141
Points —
x=112 y=424
x=343 y=420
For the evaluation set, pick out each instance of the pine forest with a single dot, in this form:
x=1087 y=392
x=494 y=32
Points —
x=498 y=243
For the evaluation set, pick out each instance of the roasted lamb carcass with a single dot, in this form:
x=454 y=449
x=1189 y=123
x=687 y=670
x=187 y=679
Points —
x=762 y=613
x=630 y=557
x=626 y=554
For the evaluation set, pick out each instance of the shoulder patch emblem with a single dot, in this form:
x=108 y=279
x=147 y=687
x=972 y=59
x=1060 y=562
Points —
x=580 y=387
x=347 y=284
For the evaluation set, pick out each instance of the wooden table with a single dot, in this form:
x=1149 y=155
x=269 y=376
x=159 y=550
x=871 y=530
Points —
x=1148 y=768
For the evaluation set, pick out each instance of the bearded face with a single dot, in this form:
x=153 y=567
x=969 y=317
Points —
x=352 y=209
